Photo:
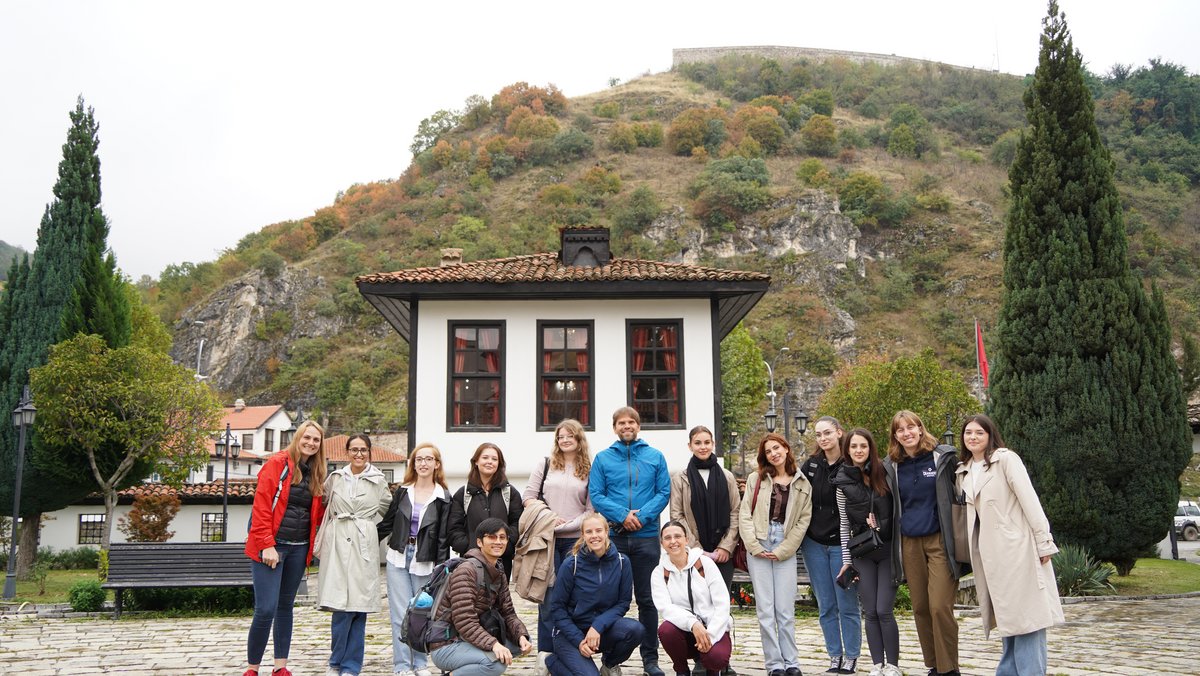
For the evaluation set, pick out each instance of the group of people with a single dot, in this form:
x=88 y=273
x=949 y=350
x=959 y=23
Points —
x=585 y=537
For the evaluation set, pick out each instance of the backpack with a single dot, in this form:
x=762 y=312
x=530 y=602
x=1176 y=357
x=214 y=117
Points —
x=505 y=496
x=421 y=626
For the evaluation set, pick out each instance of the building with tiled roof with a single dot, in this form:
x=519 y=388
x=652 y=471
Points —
x=390 y=462
x=501 y=350
x=260 y=430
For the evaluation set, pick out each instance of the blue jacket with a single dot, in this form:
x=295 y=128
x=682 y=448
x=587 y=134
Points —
x=584 y=595
x=622 y=469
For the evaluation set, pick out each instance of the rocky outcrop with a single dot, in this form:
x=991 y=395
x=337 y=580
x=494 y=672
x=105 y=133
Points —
x=239 y=337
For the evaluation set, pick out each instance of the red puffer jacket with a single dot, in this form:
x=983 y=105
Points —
x=270 y=502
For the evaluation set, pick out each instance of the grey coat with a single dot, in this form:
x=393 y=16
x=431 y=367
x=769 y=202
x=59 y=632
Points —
x=348 y=542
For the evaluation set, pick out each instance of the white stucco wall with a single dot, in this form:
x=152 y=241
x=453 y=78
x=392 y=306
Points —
x=60 y=529
x=523 y=445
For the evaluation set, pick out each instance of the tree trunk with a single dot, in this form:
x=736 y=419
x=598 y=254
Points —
x=110 y=503
x=30 y=533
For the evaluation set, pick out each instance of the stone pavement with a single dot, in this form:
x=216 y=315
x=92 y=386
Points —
x=1110 y=637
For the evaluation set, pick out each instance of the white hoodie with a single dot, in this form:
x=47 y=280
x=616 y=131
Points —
x=710 y=598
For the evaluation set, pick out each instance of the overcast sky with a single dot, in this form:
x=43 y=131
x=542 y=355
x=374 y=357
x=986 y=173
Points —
x=217 y=118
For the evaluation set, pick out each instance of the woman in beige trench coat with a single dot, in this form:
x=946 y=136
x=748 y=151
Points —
x=1011 y=548
x=348 y=545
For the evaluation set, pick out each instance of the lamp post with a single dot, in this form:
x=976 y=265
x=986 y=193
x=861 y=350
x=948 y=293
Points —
x=199 y=353
x=948 y=435
x=22 y=418
x=771 y=417
x=226 y=445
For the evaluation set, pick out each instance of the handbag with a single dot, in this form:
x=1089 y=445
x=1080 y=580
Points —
x=865 y=543
x=740 y=555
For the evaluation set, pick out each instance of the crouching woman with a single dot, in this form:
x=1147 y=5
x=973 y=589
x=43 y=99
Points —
x=691 y=595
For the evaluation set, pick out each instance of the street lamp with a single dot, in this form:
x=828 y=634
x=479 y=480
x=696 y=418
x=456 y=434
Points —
x=226 y=445
x=948 y=435
x=770 y=418
x=22 y=418
x=199 y=352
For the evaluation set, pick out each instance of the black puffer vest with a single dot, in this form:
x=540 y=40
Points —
x=860 y=500
x=296 y=519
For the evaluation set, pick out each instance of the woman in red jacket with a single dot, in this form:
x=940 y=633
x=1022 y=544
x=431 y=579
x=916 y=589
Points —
x=283 y=525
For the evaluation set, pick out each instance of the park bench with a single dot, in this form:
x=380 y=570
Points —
x=741 y=576
x=142 y=565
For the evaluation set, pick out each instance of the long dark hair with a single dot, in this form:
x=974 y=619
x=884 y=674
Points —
x=872 y=469
x=499 y=478
x=765 y=468
x=994 y=440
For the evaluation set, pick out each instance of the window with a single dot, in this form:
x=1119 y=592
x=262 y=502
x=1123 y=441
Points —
x=91 y=528
x=476 y=376
x=565 y=373
x=248 y=442
x=269 y=444
x=211 y=474
x=285 y=438
x=211 y=527
x=389 y=475
x=655 y=379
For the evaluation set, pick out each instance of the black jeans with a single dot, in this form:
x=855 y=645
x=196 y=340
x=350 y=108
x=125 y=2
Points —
x=643 y=556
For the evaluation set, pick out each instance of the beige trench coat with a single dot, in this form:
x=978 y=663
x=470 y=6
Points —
x=348 y=542
x=681 y=509
x=1017 y=594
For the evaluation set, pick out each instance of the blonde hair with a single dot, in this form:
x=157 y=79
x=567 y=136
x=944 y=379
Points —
x=316 y=462
x=410 y=472
x=590 y=516
x=895 y=450
x=583 y=457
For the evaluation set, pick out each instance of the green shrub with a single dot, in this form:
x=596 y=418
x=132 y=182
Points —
x=730 y=188
x=813 y=173
x=224 y=599
x=609 y=109
x=622 y=139
x=1078 y=574
x=648 y=134
x=86 y=596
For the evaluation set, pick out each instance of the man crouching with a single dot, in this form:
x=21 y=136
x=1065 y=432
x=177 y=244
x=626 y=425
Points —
x=477 y=604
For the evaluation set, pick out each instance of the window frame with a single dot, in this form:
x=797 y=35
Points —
x=452 y=326
x=631 y=325
x=96 y=524
x=248 y=441
x=207 y=523
x=540 y=374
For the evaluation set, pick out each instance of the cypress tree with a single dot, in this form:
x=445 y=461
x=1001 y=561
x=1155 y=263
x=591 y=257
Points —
x=1084 y=386
x=70 y=285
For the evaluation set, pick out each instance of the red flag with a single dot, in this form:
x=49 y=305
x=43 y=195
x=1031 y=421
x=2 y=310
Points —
x=980 y=355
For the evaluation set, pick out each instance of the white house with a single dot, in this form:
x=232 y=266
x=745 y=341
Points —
x=501 y=350
x=389 y=461
x=261 y=430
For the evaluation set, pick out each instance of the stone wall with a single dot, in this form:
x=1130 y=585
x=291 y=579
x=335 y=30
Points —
x=706 y=54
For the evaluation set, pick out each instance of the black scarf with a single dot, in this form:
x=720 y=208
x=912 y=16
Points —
x=710 y=504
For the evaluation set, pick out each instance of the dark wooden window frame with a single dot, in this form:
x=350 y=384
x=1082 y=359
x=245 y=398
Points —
x=502 y=349
x=91 y=531
x=541 y=374
x=630 y=326
x=211 y=527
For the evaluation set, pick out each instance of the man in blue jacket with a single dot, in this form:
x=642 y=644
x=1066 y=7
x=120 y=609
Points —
x=630 y=486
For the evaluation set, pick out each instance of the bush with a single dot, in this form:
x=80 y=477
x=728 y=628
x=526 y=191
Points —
x=86 y=596
x=621 y=138
x=1078 y=574
x=813 y=174
x=648 y=134
x=608 y=109
x=730 y=188
x=820 y=135
x=79 y=558
x=224 y=599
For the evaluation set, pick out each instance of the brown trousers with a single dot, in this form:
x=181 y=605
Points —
x=932 y=588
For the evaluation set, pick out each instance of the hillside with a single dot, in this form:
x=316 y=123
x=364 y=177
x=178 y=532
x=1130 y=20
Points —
x=8 y=252
x=743 y=162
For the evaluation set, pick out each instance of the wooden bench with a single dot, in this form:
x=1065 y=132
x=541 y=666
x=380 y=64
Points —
x=144 y=565
x=741 y=576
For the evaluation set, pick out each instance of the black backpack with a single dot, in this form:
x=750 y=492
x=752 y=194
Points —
x=421 y=626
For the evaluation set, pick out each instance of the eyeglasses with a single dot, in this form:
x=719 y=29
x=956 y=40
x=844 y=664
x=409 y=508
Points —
x=564 y=437
x=359 y=451
x=495 y=537
x=424 y=461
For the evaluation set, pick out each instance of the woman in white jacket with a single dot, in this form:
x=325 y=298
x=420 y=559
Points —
x=691 y=595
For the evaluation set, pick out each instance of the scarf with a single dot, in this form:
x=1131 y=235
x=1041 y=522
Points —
x=710 y=504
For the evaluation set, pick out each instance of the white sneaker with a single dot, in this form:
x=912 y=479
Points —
x=405 y=673
x=877 y=670
x=333 y=671
x=541 y=669
x=892 y=670
x=423 y=672
x=610 y=671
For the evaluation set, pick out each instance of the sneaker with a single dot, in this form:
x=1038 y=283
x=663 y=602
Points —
x=775 y=672
x=281 y=671
x=849 y=665
x=540 y=669
x=729 y=671
x=423 y=672
x=333 y=671
x=892 y=670
x=835 y=665
x=606 y=670
x=792 y=671
x=877 y=670
x=405 y=673
x=250 y=672
x=952 y=672
x=648 y=668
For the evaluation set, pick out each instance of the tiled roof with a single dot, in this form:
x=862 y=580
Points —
x=545 y=267
x=249 y=418
x=335 y=451
x=237 y=488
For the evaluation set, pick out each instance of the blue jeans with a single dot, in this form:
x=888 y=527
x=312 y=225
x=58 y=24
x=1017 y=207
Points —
x=401 y=587
x=616 y=645
x=1023 y=655
x=643 y=556
x=545 y=642
x=465 y=659
x=838 y=608
x=274 y=596
x=775 y=603
x=347 y=642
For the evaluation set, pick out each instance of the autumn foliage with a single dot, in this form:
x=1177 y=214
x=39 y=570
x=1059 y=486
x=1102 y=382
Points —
x=150 y=518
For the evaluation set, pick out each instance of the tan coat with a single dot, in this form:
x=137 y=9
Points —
x=533 y=564
x=753 y=527
x=1017 y=594
x=348 y=542
x=681 y=509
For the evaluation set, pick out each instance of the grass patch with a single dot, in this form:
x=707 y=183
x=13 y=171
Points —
x=1158 y=576
x=58 y=583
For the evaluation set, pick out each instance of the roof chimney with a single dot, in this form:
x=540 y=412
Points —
x=451 y=257
x=239 y=405
x=585 y=247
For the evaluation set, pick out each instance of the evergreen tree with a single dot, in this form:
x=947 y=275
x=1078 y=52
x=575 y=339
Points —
x=69 y=285
x=1084 y=386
